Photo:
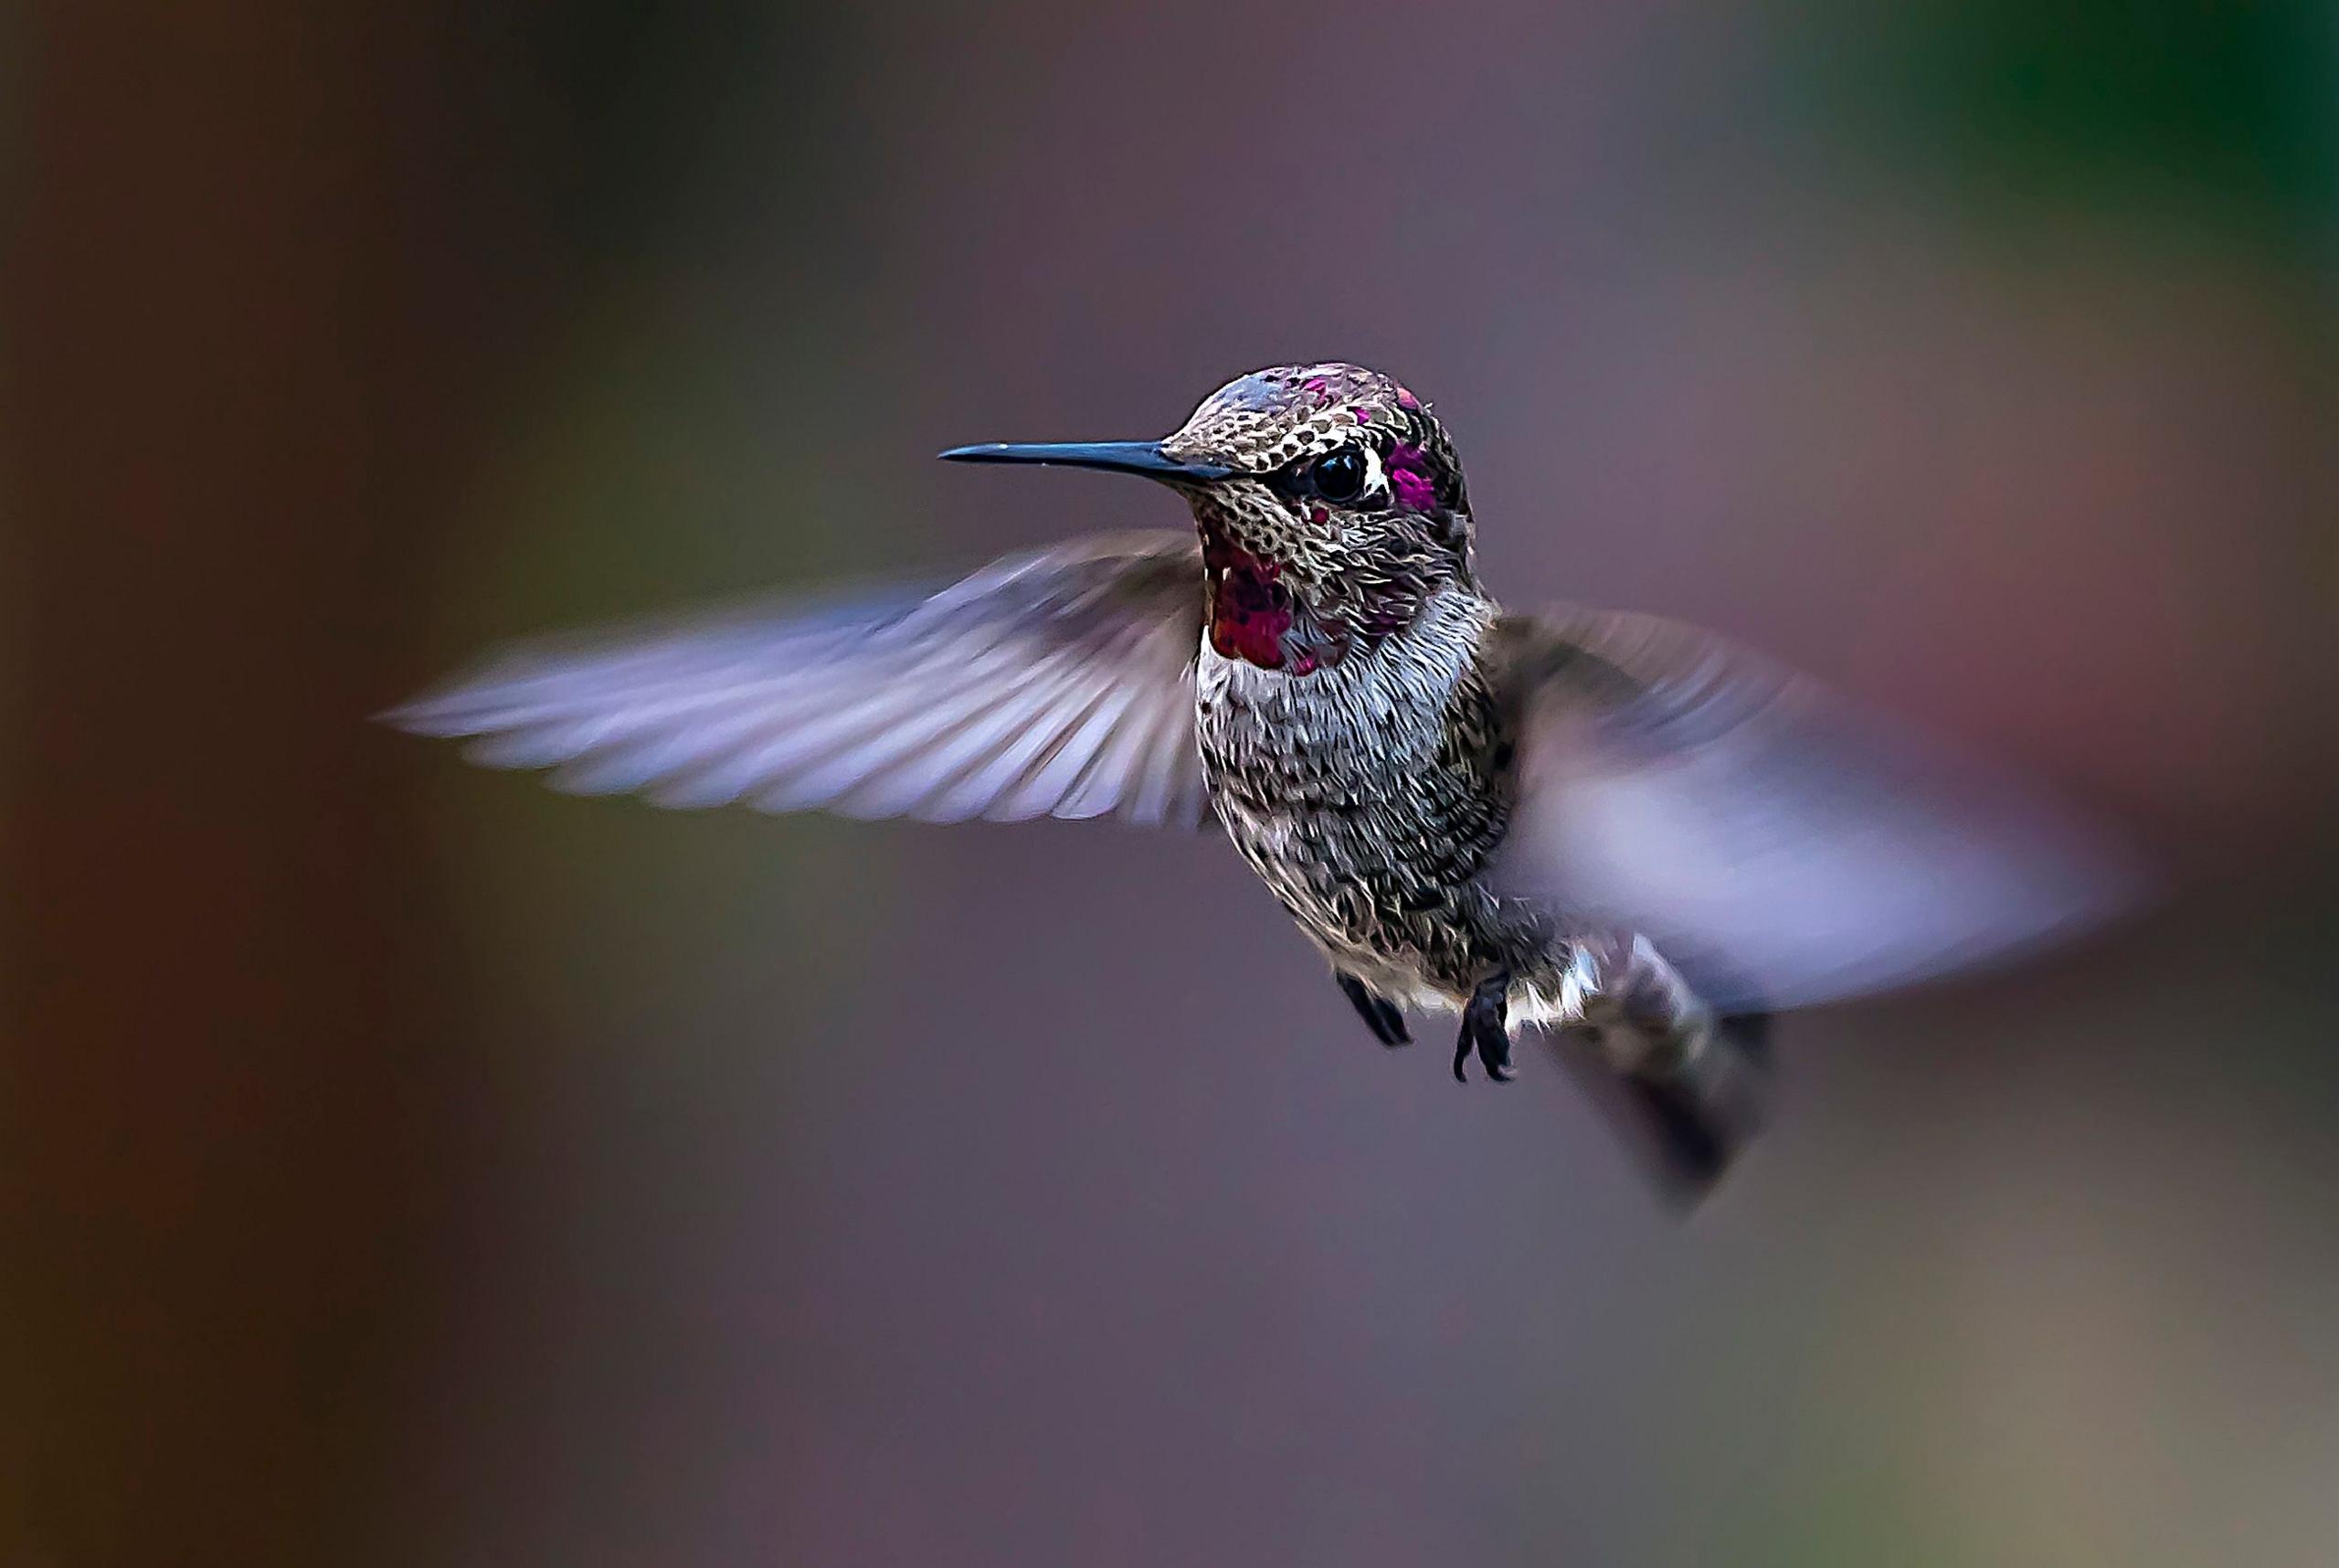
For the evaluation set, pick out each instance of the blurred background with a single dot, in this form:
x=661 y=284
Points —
x=403 y=1164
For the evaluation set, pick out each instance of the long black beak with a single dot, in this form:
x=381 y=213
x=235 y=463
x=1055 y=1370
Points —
x=1118 y=456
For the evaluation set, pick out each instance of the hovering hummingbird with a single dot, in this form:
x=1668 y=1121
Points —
x=1608 y=825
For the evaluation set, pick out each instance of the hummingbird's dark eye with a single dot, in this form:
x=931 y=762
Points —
x=1339 y=475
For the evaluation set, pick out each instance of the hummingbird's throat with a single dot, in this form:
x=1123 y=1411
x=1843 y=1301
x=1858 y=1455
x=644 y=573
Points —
x=1255 y=618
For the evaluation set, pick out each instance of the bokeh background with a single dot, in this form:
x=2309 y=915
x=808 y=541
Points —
x=401 y=1164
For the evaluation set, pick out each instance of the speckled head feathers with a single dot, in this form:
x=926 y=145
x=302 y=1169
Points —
x=1329 y=498
x=1346 y=496
x=1274 y=419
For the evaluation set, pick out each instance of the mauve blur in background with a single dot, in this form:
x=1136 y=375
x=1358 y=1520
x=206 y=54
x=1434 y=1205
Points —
x=404 y=1164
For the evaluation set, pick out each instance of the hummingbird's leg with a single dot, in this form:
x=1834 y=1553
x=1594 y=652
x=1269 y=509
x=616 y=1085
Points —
x=1485 y=1029
x=1380 y=1014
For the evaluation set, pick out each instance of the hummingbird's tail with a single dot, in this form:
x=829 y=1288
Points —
x=1689 y=1115
x=1699 y=1115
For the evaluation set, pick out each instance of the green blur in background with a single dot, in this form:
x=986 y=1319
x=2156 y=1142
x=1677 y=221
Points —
x=401 y=1163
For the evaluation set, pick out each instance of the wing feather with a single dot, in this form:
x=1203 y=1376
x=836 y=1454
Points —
x=1780 y=846
x=1059 y=681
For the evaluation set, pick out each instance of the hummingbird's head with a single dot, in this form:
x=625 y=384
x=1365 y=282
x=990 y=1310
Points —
x=1329 y=501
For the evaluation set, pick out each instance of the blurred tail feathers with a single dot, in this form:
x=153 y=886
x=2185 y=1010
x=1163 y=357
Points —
x=1687 y=1118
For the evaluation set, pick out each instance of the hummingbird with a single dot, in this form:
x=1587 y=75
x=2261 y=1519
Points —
x=1627 y=833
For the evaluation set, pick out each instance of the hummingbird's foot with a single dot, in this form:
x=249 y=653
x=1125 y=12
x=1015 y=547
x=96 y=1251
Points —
x=1485 y=1030
x=1380 y=1014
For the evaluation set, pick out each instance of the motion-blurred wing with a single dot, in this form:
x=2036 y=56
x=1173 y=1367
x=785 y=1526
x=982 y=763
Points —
x=1778 y=846
x=1060 y=682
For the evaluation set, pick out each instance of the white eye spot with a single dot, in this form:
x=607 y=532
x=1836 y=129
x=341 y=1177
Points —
x=1375 y=481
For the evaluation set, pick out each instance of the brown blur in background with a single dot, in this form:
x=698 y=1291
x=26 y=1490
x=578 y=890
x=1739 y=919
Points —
x=402 y=1164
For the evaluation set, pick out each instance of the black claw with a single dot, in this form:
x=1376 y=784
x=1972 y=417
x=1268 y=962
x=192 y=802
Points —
x=1484 y=1030
x=1494 y=1050
x=1380 y=1014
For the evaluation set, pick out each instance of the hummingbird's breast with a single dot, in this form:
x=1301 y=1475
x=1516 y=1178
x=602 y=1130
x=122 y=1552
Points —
x=1369 y=795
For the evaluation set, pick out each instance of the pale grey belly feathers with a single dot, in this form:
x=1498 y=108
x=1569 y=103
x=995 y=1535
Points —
x=1370 y=806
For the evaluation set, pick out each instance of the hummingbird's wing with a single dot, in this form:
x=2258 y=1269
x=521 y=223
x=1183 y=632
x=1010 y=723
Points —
x=1780 y=847
x=1058 y=683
